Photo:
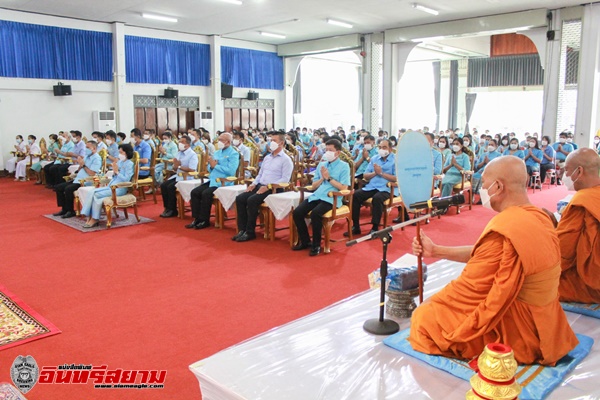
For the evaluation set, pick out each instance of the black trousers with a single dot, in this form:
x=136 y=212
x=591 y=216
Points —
x=544 y=168
x=317 y=209
x=169 y=195
x=65 y=195
x=55 y=172
x=248 y=207
x=377 y=206
x=201 y=201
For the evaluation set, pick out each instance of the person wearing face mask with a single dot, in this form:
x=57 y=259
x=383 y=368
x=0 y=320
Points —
x=570 y=140
x=305 y=137
x=238 y=143
x=88 y=166
x=562 y=150
x=195 y=136
x=459 y=161
x=533 y=158
x=361 y=162
x=111 y=146
x=331 y=175
x=147 y=137
x=503 y=145
x=71 y=150
x=444 y=148
x=186 y=160
x=31 y=155
x=579 y=229
x=210 y=148
x=123 y=172
x=597 y=144
x=380 y=171
x=508 y=290
x=468 y=143
x=167 y=152
x=144 y=150
x=513 y=149
x=20 y=149
x=548 y=160
x=98 y=137
x=360 y=143
x=482 y=162
x=47 y=158
x=65 y=145
x=224 y=163
x=277 y=168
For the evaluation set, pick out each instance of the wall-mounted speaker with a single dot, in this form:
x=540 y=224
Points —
x=62 y=90
x=550 y=35
x=171 y=93
x=252 y=96
x=226 y=91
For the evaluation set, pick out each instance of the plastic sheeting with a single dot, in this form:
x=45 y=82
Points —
x=328 y=355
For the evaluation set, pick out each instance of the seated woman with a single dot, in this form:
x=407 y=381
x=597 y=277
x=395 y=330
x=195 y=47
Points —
x=483 y=160
x=291 y=139
x=123 y=172
x=11 y=163
x=503 y=145
x=210 y=148
x=444 y=148
x=31 y=149
x=47 y=157
x=513 y=149
x=455 y=163
x=167 y=151
x=548 y=160
x=533 y=157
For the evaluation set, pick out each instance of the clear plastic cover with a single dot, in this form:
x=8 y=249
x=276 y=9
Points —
x=328 y=355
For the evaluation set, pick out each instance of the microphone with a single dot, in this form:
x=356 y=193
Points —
x=437 y=202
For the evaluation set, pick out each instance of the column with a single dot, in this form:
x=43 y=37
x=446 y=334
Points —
x=122 y=106
x=444 y=94
x=551 y=64
x=291 y=66
x=216 y=104
x=388 y=91
x=461 y=107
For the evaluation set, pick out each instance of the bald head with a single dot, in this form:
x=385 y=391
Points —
x=505 y=178
x=583 y=167
x=226 y=136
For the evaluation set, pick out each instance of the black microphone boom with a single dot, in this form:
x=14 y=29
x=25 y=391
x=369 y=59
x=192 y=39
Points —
x=437 y=202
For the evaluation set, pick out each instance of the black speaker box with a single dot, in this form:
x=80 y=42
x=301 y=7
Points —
x=252 y=96
x=62 y=90
x=171 y=93
x=226 y=91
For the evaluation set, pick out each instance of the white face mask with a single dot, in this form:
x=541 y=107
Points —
x=205 y=141
x=569 y=183
x=505 y=142
x=513 y=146
x=329 y=156
x=435 y=141
x=368 y=147
x=569 y=140
x=146 y=137
x=456 y=148
x=322 y=146
x=442 y=145
x=220 y=145
x=288 y=141
x=544 y=143
x=236 y=142
x=108 y=142
x=122 y=157
x=562 y=140
x=532 y=144
x=75 y=140
x=466 y=142
x=491 y=149
x=181 y=147
x=486 y=198
x=383 y=153
x=273 y=146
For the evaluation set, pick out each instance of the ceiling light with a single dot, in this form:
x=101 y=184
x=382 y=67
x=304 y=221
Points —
x=273 y=35
x=159 y=17
x=425 y=9
x=339 y=23
x=236 y=2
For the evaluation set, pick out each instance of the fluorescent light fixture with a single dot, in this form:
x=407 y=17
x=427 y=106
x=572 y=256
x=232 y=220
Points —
x=236 y=2
x=428 y=10
x=273 y=35
x=159 y=17
x=339 y=23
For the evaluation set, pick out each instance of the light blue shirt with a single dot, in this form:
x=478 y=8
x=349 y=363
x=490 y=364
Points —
x=151 y=143
x=144 y=151
x=93 y=162
x=549 y=151
x=198 y=143
x=358 y=148
x=490 y=156
x=529 y=160
x=171 y=150
x=189 y=159
x=245 y=152
x=79 y=148
x=363 y=166
x=437 y=162
x=102 y=145
x=228 y=161
x=275 y=169
x=379 y=183
x=565 y=146
x=125 y=174
x=462 y=160
x=517 y=153
x=305 y=138
x=113 y=150
x=338 y=171
x=66 y=148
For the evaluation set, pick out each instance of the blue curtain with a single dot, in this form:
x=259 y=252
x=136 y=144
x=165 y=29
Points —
x=48 y=52
x=521 y=70
x=151 y=60
x=251 y=68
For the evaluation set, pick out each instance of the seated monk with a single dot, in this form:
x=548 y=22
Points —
x=508 y=291
x=579 y=229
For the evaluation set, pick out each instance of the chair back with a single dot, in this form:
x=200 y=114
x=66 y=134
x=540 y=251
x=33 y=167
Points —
x=294 y=175
x=254 y=153
x=84 y=139
x=43 y=148
x=240 y=175
x=346 y=157
x=103 y=155
x=136 y=167
x=202 y=167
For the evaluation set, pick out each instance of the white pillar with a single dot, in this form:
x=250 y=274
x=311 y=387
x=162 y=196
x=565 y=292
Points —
x=122 y=107
x=216 y=104
x=367 y=82
x=588 y=104
x=389 y=85
x=551 y=64
x=291 y=66
x=461 y=107
x=444 y=94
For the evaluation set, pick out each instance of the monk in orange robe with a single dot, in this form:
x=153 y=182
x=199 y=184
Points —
x=508 y=291
x=579 y=230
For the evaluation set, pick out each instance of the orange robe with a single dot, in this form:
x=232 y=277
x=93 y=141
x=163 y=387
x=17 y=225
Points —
x=507 y=293
x=579 y=235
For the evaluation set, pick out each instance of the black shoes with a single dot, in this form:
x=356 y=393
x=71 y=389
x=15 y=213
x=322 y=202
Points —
x=68 y=214
x=202 y=225
x=300 y=246
x=237 y=235
x=355 y=231
x=315 y=251
x=247 y=236
x=59 y=214
x=168 y=214
x=192 y=225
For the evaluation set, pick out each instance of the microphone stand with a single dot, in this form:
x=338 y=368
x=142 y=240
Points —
x=384 y=326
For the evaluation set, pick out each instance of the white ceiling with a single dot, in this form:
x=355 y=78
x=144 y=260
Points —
x=298 y=20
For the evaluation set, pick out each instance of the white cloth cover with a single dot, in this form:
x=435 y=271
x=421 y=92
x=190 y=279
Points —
x=227 y=194
x=282 y=203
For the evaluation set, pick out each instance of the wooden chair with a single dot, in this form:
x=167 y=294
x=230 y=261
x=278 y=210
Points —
x=389 y=205
x=336 y=213
x=200 y=173
x=150 y=181
x=43 y=151
x=252 y=167
x=220 y=213
x=466 y=185
x=127 y=200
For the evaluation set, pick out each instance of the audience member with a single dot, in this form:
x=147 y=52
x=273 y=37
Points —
x=30 y=156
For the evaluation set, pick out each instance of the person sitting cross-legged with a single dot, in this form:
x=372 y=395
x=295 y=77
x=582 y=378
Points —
x=380 y=171
x=332 y=174
x=276 y=167
x=186 y=161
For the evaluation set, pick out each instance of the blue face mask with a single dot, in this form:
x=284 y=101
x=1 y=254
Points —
x=88 y=152
x=118 y=139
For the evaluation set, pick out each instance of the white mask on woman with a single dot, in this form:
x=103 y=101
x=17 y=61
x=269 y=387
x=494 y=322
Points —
x=456 y=148
x=442 y=145
x=532 y=144
x=122 y=157
x=513 y=146
x=544 y=143
x=491 y=149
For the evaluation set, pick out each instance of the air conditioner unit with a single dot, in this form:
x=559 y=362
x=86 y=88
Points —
x=104 y=121
x=204 y=119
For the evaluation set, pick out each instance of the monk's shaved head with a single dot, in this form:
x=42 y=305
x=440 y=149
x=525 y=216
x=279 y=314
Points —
x=509 y=170
x=586 y=158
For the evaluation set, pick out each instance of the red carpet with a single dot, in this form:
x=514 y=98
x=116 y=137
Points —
x=160 y=297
